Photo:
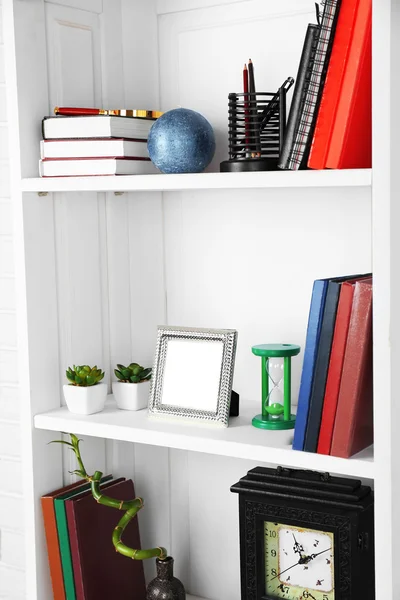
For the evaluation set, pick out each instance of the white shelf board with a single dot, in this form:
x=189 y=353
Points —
x=239 y=440
x=200 y=181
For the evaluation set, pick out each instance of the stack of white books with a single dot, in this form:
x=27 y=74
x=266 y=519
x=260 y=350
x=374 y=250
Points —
x=95 y=145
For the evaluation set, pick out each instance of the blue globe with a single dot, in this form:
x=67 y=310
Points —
x=181 y=141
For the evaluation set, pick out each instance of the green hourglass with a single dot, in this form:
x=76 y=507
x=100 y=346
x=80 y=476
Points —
x=275 y=386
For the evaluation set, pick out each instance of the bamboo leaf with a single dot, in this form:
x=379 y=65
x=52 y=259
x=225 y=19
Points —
x=60 y=442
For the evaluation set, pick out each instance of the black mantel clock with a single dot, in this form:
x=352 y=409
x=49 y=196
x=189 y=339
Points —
x=305 y=536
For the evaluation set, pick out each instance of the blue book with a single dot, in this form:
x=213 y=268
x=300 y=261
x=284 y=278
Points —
x=310 y=354
x=321 y=366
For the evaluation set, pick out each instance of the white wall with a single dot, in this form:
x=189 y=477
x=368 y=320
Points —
x=12 y=551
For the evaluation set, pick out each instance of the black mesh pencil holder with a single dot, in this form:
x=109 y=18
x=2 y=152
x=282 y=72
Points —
x=257 y=123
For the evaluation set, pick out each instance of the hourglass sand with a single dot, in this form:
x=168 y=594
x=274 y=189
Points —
x=275 y=386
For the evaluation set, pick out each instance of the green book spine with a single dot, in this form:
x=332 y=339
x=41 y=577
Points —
x=63 y=536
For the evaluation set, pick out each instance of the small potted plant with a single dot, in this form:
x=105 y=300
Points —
x=132 y=389
x=85 y=394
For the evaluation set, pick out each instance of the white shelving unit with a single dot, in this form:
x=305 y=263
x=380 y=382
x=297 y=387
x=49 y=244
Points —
x=239 y=440
x=97 y=272
x=202 y=181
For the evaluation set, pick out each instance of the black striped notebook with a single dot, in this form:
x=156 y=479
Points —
x=299 y=94
x=305 y=130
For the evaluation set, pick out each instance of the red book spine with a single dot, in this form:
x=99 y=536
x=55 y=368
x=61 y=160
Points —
x=335 y=368
x=73 y=543
x=53 y=547
x=353 y=429
x=74 y=112
x=351 y=140
x=333 y=84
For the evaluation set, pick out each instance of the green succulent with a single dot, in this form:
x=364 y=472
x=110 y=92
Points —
x=84 y=376
x=132 y=374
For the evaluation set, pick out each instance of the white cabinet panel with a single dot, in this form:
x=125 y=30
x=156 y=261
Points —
x=74 y=56
x=82 y=326
x=95 y=6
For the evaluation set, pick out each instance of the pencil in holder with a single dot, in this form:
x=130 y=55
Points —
x=257 y=123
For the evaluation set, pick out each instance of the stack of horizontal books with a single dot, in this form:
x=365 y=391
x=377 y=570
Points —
x=95 y=144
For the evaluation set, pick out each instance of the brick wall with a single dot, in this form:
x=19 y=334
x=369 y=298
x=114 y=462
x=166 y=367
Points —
x=12 y=551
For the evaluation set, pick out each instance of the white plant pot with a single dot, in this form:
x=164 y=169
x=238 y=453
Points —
x=131 y=396
x=85 y=400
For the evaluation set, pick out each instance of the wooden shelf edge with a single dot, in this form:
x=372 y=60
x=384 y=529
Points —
x=201 y=181
x=237 y=441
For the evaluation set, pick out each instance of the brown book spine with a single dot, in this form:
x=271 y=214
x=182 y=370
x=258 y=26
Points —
x=53 y=548
x=73 y=539
x=104 y=573
x=353 y=430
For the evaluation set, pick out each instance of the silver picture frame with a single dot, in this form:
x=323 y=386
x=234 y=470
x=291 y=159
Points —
x=193 y=374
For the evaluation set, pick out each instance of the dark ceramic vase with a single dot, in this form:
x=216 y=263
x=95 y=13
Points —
x=165 y=586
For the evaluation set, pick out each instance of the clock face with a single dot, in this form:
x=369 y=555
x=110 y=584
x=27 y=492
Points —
x=299 y=563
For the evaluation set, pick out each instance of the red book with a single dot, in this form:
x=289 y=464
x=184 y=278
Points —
x=333 y=84
x=353 y=429
x=351 y=140
x=53 y=548
x=336 y=366
x=100 y=571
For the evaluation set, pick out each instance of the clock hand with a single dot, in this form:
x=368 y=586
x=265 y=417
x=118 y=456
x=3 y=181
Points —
x=303 y=560
x=288 y=569
x=306 y=559
x=298 y=548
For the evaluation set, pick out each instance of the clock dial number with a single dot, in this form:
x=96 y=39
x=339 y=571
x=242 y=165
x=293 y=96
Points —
x=299 y=563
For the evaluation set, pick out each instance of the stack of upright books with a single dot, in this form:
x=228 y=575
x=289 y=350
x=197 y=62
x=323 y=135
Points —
x=334 y=413
x=82 y=559
x=95 y=145
x=330 y=119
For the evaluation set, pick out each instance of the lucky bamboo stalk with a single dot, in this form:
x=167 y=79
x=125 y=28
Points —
x=130 y=507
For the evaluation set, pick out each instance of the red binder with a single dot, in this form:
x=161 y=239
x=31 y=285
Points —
x=333 y=84
x=353 y=429
x=99 y=571
x=53 y=548
x=336 y=366
x=351 y=140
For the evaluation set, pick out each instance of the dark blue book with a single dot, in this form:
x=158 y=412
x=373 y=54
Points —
x=310 y=353
x=321 y=367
